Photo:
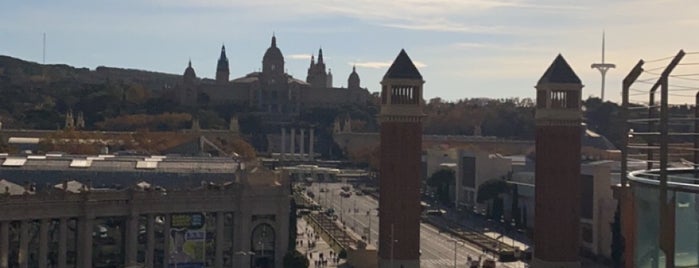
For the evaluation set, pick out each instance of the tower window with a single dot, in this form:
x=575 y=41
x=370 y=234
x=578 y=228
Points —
x=404 y=95
x=558 y=99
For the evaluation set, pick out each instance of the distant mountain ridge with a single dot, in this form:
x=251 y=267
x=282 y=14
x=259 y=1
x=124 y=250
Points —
x=20 y=72
x=39 y=96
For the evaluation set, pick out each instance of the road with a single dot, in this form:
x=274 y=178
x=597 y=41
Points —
x=359 y=214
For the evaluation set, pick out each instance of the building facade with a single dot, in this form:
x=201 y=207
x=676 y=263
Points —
x=399 y=183
x=557 y=193
x=596 y=208
x=473 y=169
x=271 y=91
x=233 y=217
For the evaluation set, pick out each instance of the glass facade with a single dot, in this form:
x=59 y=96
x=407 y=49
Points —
x=646 y=192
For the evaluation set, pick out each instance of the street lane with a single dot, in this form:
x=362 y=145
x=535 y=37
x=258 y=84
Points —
x=437 y=248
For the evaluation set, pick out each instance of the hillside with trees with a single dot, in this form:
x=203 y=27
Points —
x=36 y=96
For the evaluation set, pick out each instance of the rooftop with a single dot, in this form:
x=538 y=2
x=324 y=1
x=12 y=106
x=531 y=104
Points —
x=560 y=72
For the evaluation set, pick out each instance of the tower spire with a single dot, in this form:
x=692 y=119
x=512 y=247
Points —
x=603 y=67
x=320 y=55
x=602 y=46
x=274 y=40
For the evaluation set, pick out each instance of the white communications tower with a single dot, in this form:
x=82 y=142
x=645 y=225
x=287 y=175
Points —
x=603 y=68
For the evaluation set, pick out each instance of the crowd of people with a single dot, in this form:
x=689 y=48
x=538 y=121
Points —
x=324 y=257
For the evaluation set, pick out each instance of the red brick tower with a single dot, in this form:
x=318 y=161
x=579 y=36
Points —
x=401 y=147
x=557 y=211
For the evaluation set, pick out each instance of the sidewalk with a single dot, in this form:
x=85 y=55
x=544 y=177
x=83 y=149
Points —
x=305 y=239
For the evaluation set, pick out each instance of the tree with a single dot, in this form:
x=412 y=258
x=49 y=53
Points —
x=294 y=259
x=136 y=94
x=441 y=181
x=617 y=241
x=491 y=190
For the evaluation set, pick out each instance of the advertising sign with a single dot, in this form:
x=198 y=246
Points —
x=187 y=240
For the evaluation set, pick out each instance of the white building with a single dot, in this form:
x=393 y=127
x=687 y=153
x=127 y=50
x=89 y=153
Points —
x=474 y=168
x=597 y=204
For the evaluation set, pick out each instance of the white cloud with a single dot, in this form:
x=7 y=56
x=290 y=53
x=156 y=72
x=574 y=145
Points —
x=372 y=64
x=299 y=56
x=444 y=26
x=381 y=64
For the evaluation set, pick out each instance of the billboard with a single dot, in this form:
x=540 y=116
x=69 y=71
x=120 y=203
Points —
x=187 y=241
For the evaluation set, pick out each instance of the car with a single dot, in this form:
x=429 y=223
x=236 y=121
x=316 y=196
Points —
x=358 y=193
x=302 y=212
x=435 y=212
x=346 y=194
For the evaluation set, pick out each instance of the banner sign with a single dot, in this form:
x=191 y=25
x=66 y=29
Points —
x=187 y=240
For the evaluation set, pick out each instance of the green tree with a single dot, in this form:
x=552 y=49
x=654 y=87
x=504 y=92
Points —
x=441 y=181
x=294 y=259
x=491 y=190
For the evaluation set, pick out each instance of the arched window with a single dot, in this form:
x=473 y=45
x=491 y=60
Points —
x=262 y=242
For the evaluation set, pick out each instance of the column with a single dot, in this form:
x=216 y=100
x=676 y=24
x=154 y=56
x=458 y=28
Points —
x=220 y=216
x=85 y=242
x=166 y=241
x=311 y=141
x=292 y=149
x=283 y=144
x=44 y=242
x=62 y=242
x=242 y=239
x=23 y=255
x=150 y=240
x=131 y=239
x=301 y=144
x=4 y=244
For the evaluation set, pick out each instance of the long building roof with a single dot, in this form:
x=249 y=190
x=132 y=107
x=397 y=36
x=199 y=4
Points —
x=110 y=170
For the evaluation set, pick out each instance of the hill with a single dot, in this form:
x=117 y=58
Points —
x=37 y=96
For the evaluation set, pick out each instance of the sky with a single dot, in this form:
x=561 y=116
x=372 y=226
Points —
x=463 y=48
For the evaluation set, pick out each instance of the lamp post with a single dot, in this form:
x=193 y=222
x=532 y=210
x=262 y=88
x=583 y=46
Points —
x=369 y=214
x=456 y=242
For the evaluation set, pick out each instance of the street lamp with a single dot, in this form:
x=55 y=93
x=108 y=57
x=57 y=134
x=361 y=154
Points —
x=369 y=214
x=456 y=242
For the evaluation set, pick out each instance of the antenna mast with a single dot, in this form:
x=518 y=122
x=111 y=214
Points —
x=44 y=55
x=603 y=68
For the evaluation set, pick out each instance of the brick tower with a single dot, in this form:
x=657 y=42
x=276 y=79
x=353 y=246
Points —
x=401 y=147
x=558 y=123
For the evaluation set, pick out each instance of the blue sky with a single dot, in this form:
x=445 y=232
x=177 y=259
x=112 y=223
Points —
x=463 y=48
